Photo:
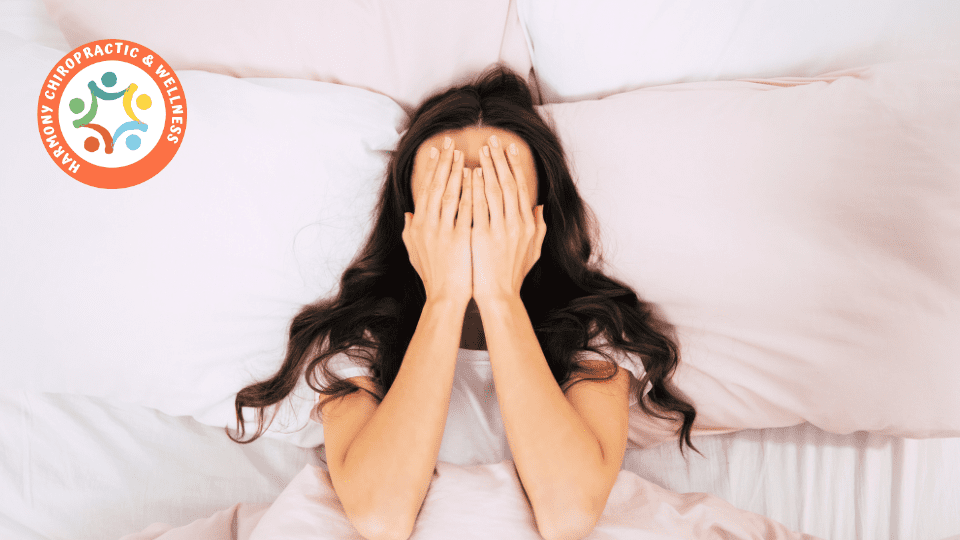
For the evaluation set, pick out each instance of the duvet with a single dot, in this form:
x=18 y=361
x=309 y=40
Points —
x=480 y=501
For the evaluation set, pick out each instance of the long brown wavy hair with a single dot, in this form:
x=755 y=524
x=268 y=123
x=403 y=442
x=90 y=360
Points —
x=569 y=300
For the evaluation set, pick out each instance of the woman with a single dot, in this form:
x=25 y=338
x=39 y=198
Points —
x=481 y=242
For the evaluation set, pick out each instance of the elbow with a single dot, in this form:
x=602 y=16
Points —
x=573 y=525
x=577 y=532
x=377 y=527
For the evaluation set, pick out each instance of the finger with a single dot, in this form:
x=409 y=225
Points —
x=465 y=213
x=438 y=183
x=508 y=186
x=481 y=216
x=451 y=195
x=541 y=232
x=492 y=189
x=523 y=193
x=420 y=203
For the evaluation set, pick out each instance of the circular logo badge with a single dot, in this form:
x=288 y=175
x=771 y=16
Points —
x=112 y=114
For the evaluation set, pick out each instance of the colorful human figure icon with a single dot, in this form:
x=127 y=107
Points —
x=143 y=102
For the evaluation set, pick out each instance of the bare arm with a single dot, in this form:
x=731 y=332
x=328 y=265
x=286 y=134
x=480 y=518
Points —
x=381 y=458
x=568 y=447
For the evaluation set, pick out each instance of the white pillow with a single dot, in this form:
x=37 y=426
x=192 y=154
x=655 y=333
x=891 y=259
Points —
x=29 y=19
x=585 y=50
x=404 y=50
x=802 y=235
x=177 y=292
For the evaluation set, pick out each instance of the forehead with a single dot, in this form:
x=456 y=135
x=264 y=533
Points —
x=470 y=141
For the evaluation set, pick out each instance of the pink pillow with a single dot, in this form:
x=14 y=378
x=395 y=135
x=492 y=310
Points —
x=622 y=46
x=802 y=234
x=405 y=50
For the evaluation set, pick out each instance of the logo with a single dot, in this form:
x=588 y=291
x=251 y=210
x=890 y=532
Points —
x=112 y=114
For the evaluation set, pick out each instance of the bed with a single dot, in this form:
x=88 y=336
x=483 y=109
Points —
x=836 y=415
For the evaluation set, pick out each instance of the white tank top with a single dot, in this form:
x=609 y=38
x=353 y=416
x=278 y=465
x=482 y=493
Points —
x=474 y=431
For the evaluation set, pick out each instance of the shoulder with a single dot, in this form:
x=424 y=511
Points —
x=601 y=364
x=602 y=368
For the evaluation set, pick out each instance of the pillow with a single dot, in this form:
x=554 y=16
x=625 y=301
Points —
x=488 y=501
x=586 y=50
x=405 y=50
x=29 y=19
x=802 y=235
x=177 y=292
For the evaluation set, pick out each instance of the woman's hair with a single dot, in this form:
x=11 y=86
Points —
x=569 y=301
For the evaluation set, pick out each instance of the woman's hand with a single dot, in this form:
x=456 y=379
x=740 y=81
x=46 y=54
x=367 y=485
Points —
x=508 y=242
x=436 y=237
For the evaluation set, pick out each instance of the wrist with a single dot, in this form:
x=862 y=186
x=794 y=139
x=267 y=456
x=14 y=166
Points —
x=447 y=303
x=496 y=301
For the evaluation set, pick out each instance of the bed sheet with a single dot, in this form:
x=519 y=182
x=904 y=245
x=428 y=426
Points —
x=76 y=467
x=856 y=486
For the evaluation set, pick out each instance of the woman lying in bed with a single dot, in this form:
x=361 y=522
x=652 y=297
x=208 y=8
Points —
x=480 y=242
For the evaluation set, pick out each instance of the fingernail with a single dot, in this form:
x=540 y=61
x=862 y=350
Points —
x=456 y=155
x=434 y=152
x=446 y=142
x=486 y=151
x=494 y=142
x=513 y=148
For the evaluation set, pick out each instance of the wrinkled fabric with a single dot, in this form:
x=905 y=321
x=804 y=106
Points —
x=484 y=501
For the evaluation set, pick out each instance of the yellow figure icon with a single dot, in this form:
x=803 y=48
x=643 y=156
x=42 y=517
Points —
x=143 y=102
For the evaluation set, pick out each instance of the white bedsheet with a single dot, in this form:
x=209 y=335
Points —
x=76 y=468
x=861 y=485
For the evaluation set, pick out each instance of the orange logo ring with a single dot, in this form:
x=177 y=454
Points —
x=174 y=102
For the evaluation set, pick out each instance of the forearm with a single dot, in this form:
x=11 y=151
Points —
x=394 y=454
x=558 y=458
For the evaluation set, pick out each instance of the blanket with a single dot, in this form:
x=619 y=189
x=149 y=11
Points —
x=480 y=501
